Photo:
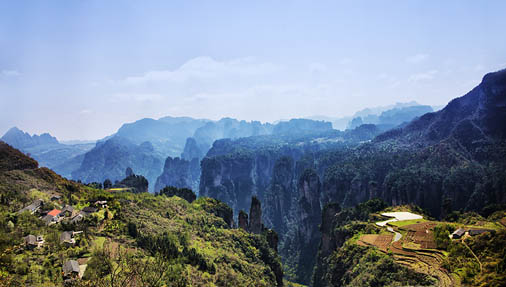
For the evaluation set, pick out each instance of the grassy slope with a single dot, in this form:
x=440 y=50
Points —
x=462 y=265
x=208 y=251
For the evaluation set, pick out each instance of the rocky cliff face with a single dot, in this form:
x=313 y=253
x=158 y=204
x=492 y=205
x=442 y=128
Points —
x=309 y=210
x=308 y=220
x=191 y=150
x=440 y=156
x=473 y=118
x=255 y=216
x=242 y=220
x=278 y=196
x=269 y=167
x=234 y=180
x=179 y=173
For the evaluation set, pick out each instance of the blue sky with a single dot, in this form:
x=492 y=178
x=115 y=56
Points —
x=79 y=69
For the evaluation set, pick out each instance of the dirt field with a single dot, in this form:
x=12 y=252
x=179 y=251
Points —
x=415 y=250
x=380 y=241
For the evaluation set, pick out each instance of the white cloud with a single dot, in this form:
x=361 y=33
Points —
x=253 y=89
x=205 y=68
x=10 y=73
x=417 y=59
x=425 y=76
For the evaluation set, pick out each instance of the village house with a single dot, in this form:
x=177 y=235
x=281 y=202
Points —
x=67 y=237
x=49 y=219
x=55 y=197
x=33 y=207
x=457 y=234
x=101 y=203
x=78 y=218
x=52 y=217
x=32 y=241
x=70 y=269
x=67 y=211
x=88 y=210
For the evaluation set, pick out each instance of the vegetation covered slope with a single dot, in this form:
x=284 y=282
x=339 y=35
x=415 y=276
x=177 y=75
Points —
x=131 y=240
x=355 y=251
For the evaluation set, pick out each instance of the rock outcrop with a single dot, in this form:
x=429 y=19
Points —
x=308 y=220
x=279 y=195
x=191 y=150
x=242 y=220
x=179 y=173
x=255 y=216
x=309 y=205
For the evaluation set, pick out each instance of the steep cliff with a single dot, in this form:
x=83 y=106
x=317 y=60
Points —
x=179 y=173
x=454 y=154
x=278 y=196
x=255 y=216
x=308 y=220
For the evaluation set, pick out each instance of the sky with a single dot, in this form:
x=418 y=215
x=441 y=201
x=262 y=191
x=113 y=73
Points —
x=80 y=69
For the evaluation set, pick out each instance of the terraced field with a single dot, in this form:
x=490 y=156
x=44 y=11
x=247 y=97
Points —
x=415 y=250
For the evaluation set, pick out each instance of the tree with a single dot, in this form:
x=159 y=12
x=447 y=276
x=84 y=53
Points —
x=184 y=193
x=107 y=184
x=132 y=229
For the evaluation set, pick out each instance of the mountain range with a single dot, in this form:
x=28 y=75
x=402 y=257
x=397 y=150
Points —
x=146 y=144
x=312 y=190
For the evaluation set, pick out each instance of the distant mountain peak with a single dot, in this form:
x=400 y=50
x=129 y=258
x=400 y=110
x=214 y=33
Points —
x=478 y=115
x=20 y=139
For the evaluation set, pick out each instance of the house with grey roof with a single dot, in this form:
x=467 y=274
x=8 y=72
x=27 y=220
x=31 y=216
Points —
x=33 y=207
x=67 y=237
x=67 y=211
x=458 y=233
x=50 y=219
x=78 y=218
x=32 y=241
x=70 y=269
x=88 y=210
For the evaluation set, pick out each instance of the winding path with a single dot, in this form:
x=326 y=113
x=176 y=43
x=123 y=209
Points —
x=422 y=262
x=397 y=236
x=397 y=216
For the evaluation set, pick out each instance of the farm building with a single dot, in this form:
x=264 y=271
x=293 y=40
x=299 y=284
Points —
x=458 y=233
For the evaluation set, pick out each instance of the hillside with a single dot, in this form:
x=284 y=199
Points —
x=295 y=176
x=47 y=150
x=109 y=238
x=472 y=119
x=110 y=159
x=360 y=248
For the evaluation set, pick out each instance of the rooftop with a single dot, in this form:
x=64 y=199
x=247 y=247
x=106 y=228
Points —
x=54 y=212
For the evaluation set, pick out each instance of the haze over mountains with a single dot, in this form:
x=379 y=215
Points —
x=146 y=144
x=304 y=182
